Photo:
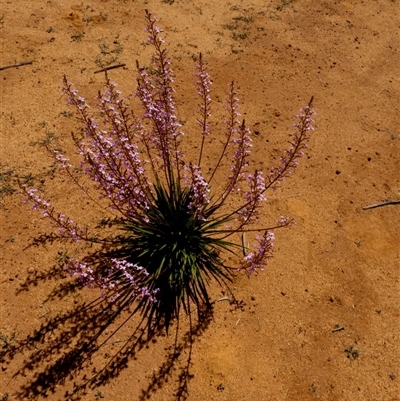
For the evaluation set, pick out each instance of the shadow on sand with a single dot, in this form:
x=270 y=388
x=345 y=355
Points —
x=67 y=350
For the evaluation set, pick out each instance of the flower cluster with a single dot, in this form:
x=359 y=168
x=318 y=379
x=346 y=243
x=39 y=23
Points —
x=256 y=260
x=115 y=275
x=110 y=157
x=254 y=196
x=199 y=190
x=67 y=229
x=203 y=89
x=289 y=161
x=172 y=228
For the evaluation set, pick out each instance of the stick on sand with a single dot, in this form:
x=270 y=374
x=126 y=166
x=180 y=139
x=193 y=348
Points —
x=15 y=65
x=388 y=202
x=111 y=67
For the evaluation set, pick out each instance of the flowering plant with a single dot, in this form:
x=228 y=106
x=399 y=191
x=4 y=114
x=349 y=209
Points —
x=173 y=231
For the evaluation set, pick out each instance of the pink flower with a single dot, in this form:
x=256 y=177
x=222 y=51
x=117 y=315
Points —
x=258 y=259
x=199 y=189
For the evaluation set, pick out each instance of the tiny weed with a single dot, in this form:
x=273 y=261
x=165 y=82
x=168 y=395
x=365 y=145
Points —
x=231 y=27
x=118 y=48
x=241 y=23
x=313 y=388
x=10 y=239
x=6 y=177
x=48 y=139
x=77 y=37
x=104 y=48
x=239 y=36
x=66 y=113
x=27 y=179
x=352 y=352
x=62 y=258
x=246 y=20
x=98 y=395
x=7 y=340
x=108 y=55
x=6 y=190
x=284 y=4
x=50 y=136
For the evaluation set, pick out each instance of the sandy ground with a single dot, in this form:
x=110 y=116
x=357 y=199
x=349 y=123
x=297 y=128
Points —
x=337 y=268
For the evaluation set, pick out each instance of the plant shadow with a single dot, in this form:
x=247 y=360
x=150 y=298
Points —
x=65 y=350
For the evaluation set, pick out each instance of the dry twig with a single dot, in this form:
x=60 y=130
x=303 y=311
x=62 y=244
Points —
x=4 y=67
x=111 y=67
x=388 y=202
x=337 y=328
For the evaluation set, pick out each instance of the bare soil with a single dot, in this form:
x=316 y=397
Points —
x=322 y=321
